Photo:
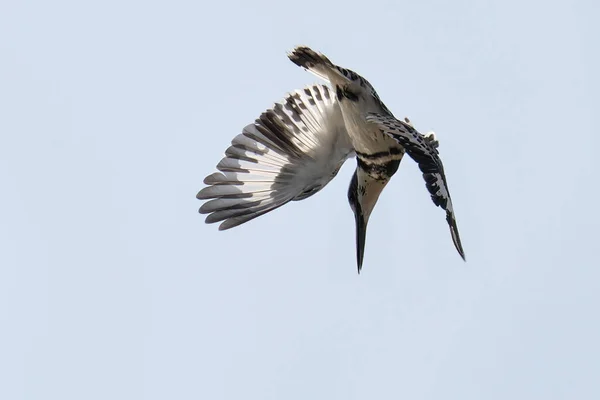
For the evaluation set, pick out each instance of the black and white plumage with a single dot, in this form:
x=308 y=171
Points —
x=296 y=147
x=423 y=149
x=290 y=153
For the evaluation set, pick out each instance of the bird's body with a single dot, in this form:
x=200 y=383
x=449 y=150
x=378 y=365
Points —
x=357 y=98
x=294 y=149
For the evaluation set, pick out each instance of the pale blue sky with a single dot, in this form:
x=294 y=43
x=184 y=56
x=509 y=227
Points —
x=112 y=286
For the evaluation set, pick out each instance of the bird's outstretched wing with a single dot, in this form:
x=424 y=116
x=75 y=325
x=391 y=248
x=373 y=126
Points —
x=291 y=152
x=423 y=149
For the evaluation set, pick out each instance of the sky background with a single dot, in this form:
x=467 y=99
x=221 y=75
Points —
x=112 y=286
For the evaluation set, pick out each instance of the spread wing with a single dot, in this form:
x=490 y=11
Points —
x=291 y=152
x=423 y=149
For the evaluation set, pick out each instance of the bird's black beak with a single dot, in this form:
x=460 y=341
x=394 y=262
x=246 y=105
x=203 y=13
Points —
x=359 y=216
x=361 y=235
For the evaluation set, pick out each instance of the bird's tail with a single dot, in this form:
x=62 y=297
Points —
x=312 y=61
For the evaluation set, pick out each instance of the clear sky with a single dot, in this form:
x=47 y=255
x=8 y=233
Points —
x=112 y=286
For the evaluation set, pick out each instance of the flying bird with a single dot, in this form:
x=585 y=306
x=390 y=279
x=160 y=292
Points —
x=296 y=147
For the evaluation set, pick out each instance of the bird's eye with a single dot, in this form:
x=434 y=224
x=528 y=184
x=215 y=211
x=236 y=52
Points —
x=344 y=92
x=350 y=95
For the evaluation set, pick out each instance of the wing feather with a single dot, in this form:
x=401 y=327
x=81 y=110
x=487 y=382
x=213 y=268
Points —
x=290 y=153
x=423 y=150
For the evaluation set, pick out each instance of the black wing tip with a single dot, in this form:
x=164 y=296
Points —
x=304 y=56
x=455 y=235
x=458 y=244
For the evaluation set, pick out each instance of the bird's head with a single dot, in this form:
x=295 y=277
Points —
x=363 y=193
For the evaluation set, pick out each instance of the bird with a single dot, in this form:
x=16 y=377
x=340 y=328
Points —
x=296 y=147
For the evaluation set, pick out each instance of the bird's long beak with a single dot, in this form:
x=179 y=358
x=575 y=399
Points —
x=361 y=235
x=362 y=196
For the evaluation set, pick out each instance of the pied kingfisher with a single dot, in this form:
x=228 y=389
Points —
x=296 y=147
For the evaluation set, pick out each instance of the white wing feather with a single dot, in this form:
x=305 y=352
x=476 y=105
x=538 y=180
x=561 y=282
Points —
x=291 y=152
